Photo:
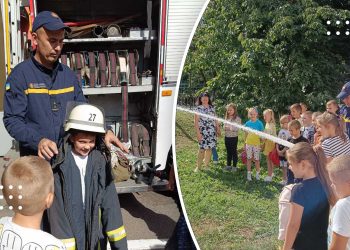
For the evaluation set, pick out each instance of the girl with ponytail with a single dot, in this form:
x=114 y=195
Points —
x=310 y=199
x=335 y=142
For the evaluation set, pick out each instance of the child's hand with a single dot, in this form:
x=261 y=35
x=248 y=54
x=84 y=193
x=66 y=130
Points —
x=199 y=137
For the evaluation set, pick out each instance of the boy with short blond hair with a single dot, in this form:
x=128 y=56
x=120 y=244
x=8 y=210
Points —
x=296 y=111
x=308 y=130
x=339 y=225
x=294 y=127
x=333 y=107
x=28 y=188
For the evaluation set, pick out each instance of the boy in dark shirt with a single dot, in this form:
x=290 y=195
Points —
x=294 y=127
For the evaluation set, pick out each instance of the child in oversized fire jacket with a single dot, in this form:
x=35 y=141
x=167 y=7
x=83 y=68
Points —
x=86 y=211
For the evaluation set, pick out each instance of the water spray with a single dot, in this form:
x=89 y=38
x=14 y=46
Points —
x=246 y=129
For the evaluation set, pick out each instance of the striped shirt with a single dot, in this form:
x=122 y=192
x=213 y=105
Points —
x=335 y=146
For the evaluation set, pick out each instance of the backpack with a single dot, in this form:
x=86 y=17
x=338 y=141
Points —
x=121 y=167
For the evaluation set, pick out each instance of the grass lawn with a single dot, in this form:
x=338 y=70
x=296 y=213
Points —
x=225 y=210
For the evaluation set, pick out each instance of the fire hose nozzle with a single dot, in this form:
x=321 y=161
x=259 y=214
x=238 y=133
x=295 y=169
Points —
x=113 y=30
x=98 y=31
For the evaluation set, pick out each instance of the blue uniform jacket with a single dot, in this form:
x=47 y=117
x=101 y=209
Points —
x=35 y=102
x=85 y=226
x=344 y=113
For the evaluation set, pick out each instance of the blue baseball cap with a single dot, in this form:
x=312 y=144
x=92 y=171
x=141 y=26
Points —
x=345 y=91
x=50 y=21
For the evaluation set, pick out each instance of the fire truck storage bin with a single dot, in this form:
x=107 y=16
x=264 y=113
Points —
x=129 y=24
x=105 y=68
x=137 y=32
x=116 y=127
x=147 y=80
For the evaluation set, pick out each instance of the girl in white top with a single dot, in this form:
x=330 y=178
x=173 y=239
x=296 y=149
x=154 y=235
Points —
x=339 y=223
x=335 y=142
x=231 y=136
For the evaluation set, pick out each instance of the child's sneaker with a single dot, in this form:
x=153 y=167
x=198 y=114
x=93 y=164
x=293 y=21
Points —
x=234 y=169
x=228 y=168
x=249 y=176
x=257 y=176
x=215 y=162
x=283 y=182
x=268 y=178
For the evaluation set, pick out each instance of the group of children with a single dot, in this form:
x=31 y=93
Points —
x=76 y=192
x=316 y=168
x=300 y=125
x=315 y=202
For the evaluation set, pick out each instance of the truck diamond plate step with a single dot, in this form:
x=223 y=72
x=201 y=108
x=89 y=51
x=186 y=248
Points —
x=130 y=186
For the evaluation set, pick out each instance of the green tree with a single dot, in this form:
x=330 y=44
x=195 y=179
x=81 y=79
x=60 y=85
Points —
x=271 y=53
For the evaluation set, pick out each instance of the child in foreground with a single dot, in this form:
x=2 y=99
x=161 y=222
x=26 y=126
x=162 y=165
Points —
x=29 y=190
x=252 y=143
x=86 y=208
x=339 y=174
x=310 y=199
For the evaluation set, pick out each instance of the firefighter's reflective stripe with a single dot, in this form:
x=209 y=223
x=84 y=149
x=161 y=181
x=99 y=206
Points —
x=346 y=119
x=116 y=234
x=50 y=92
x=69 y=243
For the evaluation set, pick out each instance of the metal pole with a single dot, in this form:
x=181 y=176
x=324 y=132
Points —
x=7 y=37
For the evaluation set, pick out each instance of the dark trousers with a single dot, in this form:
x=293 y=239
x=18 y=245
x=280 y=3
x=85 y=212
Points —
x=215 y=154
x=231 y=148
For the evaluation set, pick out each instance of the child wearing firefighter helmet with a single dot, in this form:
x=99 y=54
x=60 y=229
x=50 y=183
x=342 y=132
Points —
x=86 y=211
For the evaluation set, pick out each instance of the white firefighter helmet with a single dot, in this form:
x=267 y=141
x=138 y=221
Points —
x=86 y=117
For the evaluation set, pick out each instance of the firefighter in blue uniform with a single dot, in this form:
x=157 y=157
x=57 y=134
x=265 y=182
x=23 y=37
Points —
x=344 y=113
x=37 y=92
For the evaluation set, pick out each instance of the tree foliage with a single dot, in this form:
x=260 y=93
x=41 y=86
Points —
x=271 y=53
